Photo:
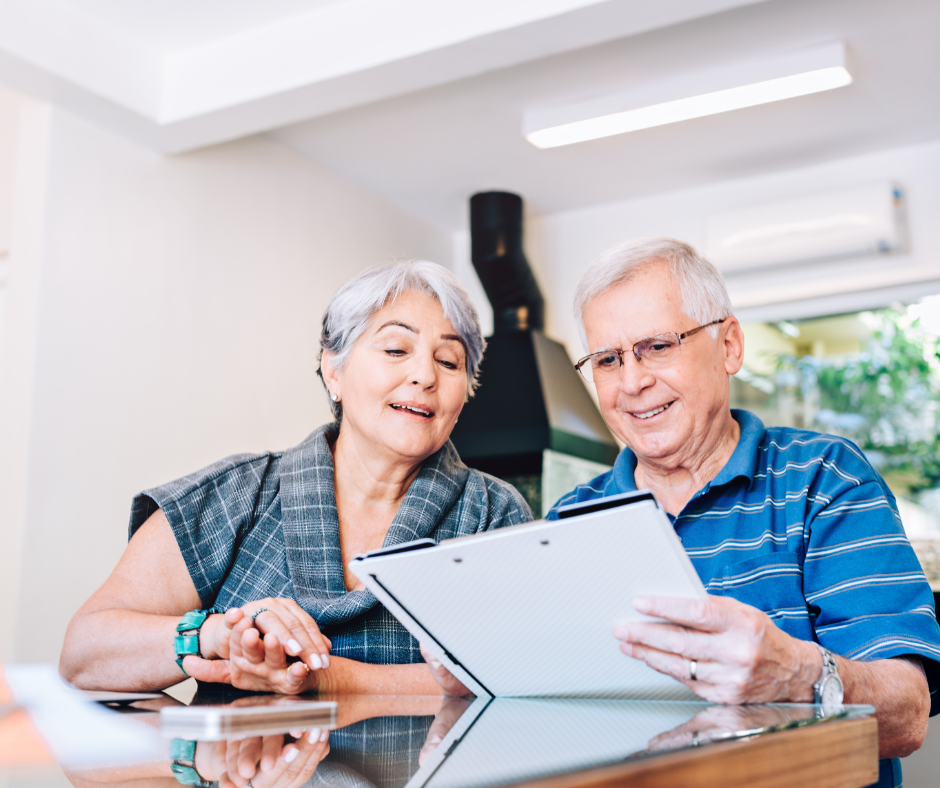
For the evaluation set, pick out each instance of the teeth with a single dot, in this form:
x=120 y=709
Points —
x=651 y=412
x=413 y=410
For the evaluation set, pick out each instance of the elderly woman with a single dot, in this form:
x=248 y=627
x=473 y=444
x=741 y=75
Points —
x=815 y=592
x=238 y=573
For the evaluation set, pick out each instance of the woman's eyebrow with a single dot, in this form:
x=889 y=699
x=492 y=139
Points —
x=398 y=323
x=453 y=337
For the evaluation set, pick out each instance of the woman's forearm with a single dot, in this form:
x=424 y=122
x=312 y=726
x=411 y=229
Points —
x=122 y=650
x=348 y=677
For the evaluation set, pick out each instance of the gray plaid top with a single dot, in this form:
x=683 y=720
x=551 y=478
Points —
x=258 y=525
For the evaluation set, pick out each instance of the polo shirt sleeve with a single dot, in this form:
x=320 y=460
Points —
x=210 y=512
x=862 y=582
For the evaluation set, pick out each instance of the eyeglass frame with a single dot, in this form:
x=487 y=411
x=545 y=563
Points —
x=639 y=359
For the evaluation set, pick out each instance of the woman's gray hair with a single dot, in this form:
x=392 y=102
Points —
x=353 y=305
x=701 y=285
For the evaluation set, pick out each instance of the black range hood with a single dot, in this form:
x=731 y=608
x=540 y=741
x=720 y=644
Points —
x=530 y=397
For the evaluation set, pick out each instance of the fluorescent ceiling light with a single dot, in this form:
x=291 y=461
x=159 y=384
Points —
x=730 y=88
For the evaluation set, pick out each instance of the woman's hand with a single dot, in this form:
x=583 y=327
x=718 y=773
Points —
x=448 y=682
x=261 y=663
x=266 y=761
x=296 y=631
x=252 y=651
x=450 y=711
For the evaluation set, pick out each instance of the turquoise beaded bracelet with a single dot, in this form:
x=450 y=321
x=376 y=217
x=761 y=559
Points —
x=186 y=641
x=183 y=755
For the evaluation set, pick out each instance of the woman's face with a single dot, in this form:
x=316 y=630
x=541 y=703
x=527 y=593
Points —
x=405 y=381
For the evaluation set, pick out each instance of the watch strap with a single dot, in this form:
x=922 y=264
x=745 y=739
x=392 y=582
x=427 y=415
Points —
x=829 y=668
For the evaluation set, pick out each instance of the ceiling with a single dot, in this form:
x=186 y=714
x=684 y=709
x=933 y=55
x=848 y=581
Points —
x=421 y=101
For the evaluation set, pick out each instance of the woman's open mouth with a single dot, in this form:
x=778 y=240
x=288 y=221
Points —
x=418 y=411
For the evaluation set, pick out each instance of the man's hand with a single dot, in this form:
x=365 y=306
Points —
x=447 y=681
x=740 y=654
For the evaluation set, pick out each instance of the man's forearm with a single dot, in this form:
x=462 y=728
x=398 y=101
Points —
x=898 y=689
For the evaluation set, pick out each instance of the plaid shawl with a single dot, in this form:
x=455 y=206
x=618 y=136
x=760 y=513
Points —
x=262 y=525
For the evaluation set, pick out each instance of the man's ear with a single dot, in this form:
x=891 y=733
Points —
x=733 y=345
x=330 y=376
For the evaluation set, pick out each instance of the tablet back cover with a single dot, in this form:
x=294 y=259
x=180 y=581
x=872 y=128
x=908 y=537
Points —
x=528 y=610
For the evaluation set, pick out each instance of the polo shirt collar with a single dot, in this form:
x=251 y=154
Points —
x=743 y=460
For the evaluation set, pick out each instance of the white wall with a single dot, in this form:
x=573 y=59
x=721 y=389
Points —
x=178 y=316
x=560 y=246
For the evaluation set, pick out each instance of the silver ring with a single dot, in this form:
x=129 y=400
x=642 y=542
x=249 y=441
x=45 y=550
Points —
x=258 y=612
x=693 y=669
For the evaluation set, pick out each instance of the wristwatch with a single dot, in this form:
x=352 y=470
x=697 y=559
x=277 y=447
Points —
x=828 y=690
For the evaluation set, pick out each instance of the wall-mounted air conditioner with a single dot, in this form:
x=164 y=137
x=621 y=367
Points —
x=857 y=222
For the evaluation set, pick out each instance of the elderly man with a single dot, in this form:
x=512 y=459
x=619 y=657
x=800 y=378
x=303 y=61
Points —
x=815 y=593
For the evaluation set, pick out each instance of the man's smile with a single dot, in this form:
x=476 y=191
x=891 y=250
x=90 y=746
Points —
x=648 y=414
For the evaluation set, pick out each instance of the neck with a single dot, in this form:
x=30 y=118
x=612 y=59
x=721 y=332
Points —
x=675 y=479
x=364 y=477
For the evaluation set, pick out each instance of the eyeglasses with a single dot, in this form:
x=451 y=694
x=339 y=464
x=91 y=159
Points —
x=651 y=352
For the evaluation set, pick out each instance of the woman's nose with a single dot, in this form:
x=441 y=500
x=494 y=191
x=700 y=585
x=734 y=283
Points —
x=423 y=371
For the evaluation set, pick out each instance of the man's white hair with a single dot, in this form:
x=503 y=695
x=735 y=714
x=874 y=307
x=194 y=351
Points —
x=701 y=286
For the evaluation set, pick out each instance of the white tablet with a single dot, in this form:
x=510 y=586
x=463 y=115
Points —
x=529 y=610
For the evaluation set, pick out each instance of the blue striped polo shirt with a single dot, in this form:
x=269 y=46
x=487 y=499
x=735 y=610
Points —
x=800 y=525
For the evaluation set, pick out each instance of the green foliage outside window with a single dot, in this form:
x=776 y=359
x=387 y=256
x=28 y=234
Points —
x=885 y=398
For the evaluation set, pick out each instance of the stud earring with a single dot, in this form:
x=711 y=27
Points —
x=334 y=397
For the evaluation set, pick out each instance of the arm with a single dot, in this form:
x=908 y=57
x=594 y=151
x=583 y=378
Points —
x=743 y=657
x=122 y=637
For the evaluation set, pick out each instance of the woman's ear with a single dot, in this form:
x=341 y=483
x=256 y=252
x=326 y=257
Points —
x=733 y=338
x=330 y=375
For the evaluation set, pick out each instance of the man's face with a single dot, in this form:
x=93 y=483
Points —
x=668 y=414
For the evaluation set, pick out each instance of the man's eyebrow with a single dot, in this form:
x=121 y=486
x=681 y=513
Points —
x=398 y=323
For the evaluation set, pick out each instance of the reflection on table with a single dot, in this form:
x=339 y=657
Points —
x=426 y=742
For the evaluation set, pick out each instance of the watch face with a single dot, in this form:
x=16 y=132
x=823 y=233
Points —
x=831 y=691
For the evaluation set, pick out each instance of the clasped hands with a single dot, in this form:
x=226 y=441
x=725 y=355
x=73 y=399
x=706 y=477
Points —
x=740 y=655
x=269 y=645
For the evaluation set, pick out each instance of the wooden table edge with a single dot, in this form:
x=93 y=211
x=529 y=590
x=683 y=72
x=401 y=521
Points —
x=835 y=754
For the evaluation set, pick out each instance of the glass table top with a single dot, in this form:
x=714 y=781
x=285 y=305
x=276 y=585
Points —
x=427 y=742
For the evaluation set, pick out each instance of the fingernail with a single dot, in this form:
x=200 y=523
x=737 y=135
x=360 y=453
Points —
x=293 y=647
x=324 y=735
x=326 y=660
x=642 y=603
x=315 y=662
x=436 y=663
x=435 y=739
x=291 y=754
x=314 y=736
x=297 y=734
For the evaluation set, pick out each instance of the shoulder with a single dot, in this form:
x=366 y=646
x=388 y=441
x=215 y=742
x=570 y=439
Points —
x=598 y=487
x=229 y=488
x=794 y=450
x=501 y=503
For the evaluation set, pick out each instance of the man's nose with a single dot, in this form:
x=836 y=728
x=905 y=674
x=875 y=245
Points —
x=634 y=377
